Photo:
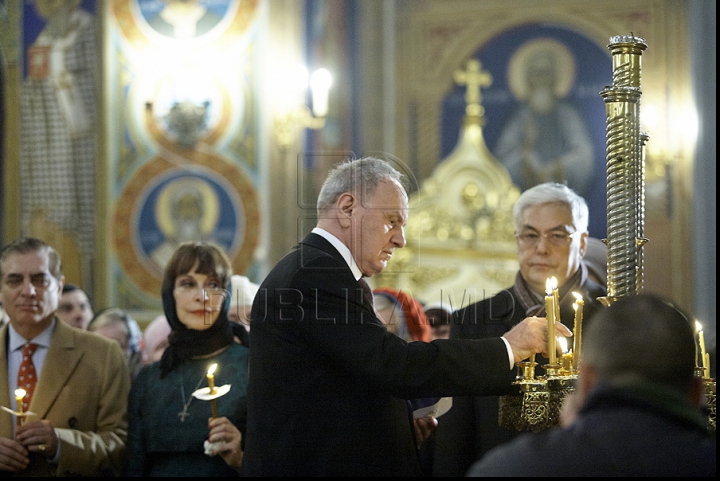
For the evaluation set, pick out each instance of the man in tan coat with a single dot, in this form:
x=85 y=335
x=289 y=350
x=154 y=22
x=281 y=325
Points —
x=79 y=402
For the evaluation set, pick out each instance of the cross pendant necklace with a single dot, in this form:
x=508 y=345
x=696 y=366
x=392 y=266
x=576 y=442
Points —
x=184 y=414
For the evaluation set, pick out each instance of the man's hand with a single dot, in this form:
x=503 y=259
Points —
x=424 y=427
x=530 y=337
x=13 y=455
x=38 y=437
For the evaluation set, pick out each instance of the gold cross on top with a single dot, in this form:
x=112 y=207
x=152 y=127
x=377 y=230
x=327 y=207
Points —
x=475 y=78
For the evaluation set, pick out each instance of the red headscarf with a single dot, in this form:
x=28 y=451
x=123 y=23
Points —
x=415 y=319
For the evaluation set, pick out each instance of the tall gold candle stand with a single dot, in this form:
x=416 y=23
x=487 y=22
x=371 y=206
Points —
x=625 y=169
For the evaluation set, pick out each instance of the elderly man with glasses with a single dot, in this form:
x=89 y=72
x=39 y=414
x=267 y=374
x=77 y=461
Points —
x=551 y=223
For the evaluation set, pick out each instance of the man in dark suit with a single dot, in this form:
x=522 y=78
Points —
x=637 y=401
x=551 y=223
x=328 y=382
x=79 y=425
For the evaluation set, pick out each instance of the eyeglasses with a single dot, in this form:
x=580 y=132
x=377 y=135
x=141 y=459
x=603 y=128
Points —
x=558 y=238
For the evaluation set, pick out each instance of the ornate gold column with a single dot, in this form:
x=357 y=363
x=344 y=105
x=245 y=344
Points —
x=625 y=167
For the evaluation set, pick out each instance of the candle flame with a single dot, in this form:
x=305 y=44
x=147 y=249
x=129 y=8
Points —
x=563 y=344
x=698 y=326
x=577 y=295
x=211 y=371
x=554 y=282
x=548 y=286
x=20 y=392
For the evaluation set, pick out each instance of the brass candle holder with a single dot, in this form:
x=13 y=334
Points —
x=709 y=386
x=534 y=403
x=526 y=407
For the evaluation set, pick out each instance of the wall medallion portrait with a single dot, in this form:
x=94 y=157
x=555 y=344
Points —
x=165 y=205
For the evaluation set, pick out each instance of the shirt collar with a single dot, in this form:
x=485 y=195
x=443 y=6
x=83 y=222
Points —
x=42 y=339
x=342 y=249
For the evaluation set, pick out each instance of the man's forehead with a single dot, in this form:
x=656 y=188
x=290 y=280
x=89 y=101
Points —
x=558 y=227
x=25 y=263
x=546 y=217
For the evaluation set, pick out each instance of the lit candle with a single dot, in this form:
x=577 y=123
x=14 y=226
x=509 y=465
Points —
x=556 y=297
x=577 y=330
x=550 y=314
x=211 y=378
x=320 y=82
x=567 y=357
x=211 y=385
x=19 y=396
x=703 y=355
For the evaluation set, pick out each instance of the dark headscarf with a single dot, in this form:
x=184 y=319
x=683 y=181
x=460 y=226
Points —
x=187 y=343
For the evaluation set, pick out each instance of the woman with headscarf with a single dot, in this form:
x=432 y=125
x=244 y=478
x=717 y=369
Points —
x=170 y=431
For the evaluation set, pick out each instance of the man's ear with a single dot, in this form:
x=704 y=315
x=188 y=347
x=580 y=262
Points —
x=583 y=243
x=346 y=204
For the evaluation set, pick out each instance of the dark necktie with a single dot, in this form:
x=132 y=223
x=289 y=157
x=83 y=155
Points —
x=27 y=377
x=368 y=292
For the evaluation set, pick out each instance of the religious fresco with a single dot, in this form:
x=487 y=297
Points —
x=545 y=119
x=184 y=164
x=59 y=101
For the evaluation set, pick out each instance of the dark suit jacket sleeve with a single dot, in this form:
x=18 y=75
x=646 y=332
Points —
x=338 y=322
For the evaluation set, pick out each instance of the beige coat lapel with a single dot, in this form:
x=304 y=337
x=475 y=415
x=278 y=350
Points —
x=60 y=363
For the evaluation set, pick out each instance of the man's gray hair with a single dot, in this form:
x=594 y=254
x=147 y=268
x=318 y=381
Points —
x=27 y=245
x=359 y=177
x=552 y=192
